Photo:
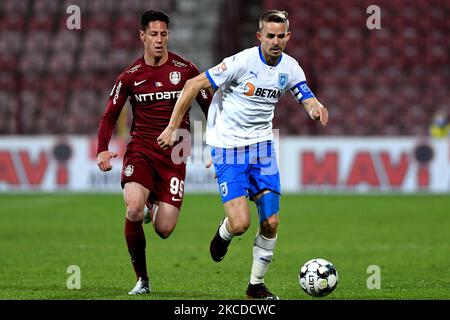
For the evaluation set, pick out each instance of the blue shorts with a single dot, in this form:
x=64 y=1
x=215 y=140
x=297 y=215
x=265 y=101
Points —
x=246 y=171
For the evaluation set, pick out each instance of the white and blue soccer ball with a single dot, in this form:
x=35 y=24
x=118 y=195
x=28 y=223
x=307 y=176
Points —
x=318 y=277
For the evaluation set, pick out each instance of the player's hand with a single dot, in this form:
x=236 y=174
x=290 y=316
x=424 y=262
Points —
x=208 y=165
x=167 y=138
x=103 y=160
x=319 y=112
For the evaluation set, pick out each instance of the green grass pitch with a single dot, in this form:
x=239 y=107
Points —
x=407 y=236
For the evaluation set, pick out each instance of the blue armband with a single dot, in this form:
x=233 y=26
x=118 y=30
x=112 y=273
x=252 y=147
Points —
x=301 y=91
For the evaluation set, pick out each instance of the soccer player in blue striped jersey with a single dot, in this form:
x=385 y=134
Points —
x=239 y=130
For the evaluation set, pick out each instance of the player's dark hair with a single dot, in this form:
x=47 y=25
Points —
x=153 y=15
x=274 y=16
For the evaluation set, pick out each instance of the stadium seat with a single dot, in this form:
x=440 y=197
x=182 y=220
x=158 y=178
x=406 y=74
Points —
x=65 y=40
x=14 y=7
x=99 y=21
x=29 y=110
x=41 y=21
x=37 y=41
x=13 y=22
x=30 y=83
x=45 y=6
x=125 y=38
x=96 y=40
x=8 y=112
x=96 y=7
x=8 y=82
x=57 y=81
x=10 y=42
x=119 y=59
x=33 y=62
x=61 y=62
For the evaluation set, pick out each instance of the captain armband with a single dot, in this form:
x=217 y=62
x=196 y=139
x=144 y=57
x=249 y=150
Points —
x=301 y=91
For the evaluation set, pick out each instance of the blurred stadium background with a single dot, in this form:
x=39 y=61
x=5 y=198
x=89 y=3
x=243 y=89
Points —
x=376 y=82
x=387 y=82
x=382 y=87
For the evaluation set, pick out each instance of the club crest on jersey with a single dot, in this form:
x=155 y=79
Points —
x=175 y=77
x=305 y=88
x=282 y=80
x=224 y=189
x=128 y=170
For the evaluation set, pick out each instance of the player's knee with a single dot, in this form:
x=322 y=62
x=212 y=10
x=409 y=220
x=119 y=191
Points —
x=164 y=231
x=268 y=206
x=270 y=225
x=163 y=234
x=239 y=227
x=134 y=213
x=165 y=220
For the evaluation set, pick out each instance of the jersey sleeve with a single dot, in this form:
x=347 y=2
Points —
x=298 y=85
x=204 y=97
x=116 y=101
x=229 y=69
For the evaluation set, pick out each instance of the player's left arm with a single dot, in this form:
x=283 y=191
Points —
x=184 y=101
x=316 y=110
x=305 y=96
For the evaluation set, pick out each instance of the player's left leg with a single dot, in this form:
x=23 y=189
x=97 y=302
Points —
x=268 y=206
x=136 y=181
x=165 y=202
x=265 y=191
x=164 y=218
x=134 y=196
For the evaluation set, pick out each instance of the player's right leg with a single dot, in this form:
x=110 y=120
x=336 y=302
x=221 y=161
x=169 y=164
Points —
x=233 y=185
x=135 y=196
x=236 y=223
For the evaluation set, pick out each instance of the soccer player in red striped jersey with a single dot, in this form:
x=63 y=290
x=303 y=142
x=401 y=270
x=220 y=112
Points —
x=153 y=84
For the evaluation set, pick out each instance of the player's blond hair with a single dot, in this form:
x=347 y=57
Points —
x=274 y=16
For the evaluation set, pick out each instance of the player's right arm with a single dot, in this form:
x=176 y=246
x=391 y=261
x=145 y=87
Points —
x=108 y=122
x=187 y=95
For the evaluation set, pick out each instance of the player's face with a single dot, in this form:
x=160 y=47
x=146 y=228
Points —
x=155 y=38
x=273 y=37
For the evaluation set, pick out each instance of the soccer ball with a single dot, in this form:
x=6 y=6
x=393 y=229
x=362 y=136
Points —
x=318 y=277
